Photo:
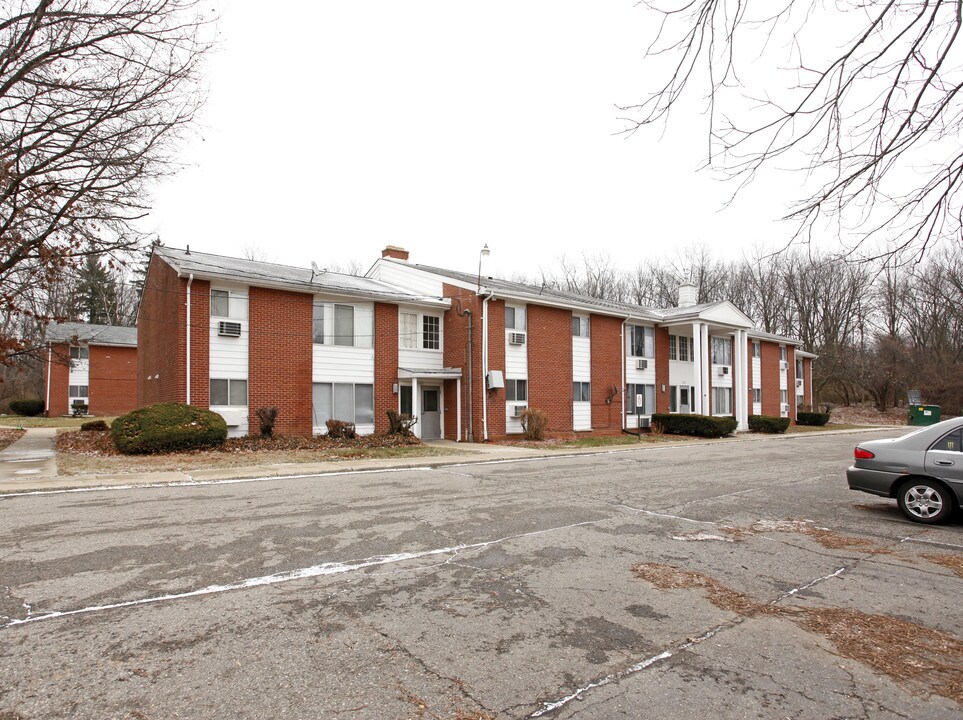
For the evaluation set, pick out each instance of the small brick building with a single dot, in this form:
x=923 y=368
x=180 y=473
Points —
x=92 y=365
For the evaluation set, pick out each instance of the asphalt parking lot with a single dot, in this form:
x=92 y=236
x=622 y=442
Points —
x=721 y=581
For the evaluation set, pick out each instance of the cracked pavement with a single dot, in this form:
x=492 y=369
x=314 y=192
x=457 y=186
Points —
x=491 y=590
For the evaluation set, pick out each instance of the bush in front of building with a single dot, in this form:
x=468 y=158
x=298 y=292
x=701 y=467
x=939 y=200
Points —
x=698 y=425
x=266 y=417
x=534 y=423
x=167 y=427
x=400 y=423
x=768 y=424
x=341 y=430
x=27 y=408
x=812 y=418
x=95 y=426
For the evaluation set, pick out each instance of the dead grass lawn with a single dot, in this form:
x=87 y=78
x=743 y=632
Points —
x=7 y=436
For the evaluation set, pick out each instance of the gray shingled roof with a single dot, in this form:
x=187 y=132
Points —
x=92 y=334
x=304 y=279
x=548 y=293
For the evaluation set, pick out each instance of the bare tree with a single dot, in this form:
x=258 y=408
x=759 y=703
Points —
x=862 y=95
x=93 y=96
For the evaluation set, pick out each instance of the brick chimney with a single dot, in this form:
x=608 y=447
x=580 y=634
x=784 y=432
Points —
x=393 y=251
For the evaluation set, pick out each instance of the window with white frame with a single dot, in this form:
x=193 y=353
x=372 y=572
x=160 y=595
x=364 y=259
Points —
x=79 y=352
x=673 y=344
x=344 y=325
x=514 y=317
x=721 y=401
x=756 y=349
x=228 y=304
x=784 y=397
x=799 y=367
x=580 y=326
x=228 y=393
x=582 y=391
x=721 y=350
x=679 y=346
x=782 y=352
x=632 y=390
x=407 y=330
x=641 y=341
x=77 y=391
x=757 y=395
x=347 y=402
x=516 y=390
x=431 y=332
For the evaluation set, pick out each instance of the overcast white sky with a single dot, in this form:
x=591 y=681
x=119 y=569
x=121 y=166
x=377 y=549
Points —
x=339 y=127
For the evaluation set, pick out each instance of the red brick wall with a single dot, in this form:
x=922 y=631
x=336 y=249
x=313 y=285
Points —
x=661 y=369
x=113 y=380
x=496 y=361
x=200 y=342
x=606 y=343
x=161 y=336
x=59 y=371
x=791 y=381
x=807 y=380
x=386 y=365
x=769 y=375
x=280 y=358
x=456 y=355
x=550 y=365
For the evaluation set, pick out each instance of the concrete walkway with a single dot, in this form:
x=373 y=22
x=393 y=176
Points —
x=29 y=460
x=31 y=466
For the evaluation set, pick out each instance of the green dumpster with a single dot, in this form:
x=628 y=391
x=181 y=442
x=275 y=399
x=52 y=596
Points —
x=924 y=414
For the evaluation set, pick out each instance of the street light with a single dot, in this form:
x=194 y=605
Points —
x=485 y=252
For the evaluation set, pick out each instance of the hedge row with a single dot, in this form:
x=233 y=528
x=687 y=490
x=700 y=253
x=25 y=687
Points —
x=27 y=408
x=768 y=424
x=166 y=427
x=812 y=418
x=700 y=425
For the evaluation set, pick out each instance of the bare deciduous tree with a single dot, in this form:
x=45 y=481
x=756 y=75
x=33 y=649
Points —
x=862 y=95
x=93 y=96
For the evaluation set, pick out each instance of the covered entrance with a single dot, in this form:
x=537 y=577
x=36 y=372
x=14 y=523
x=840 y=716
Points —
x=421 y=394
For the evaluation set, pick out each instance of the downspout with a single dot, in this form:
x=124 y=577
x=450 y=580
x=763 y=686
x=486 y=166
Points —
x=622 y=355
x=49 y=373
x=485 y=366
x=471 y=365
x=189 y=281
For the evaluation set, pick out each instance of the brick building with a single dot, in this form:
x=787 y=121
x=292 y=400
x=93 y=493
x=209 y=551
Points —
x=462 y=353
x=92 y=365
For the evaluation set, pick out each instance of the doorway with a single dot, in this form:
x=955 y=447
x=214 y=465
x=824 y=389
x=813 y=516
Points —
x=430 y=413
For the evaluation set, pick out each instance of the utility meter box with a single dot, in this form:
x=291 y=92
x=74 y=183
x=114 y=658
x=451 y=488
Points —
x=496 y=379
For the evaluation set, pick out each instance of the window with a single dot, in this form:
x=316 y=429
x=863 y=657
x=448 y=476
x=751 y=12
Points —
x=721 y=401
x=648 y=399
x=757 y=395
x=580 y=326
x=799 y=368
x=514 y=318
x=431 y=332
x=516 y=390
x=784 y=396
x=679 y=348
x=582 y=391
x=756 y=349
x=228 y=304
x=673 y=353
x=408 y=331
x=782 y=352
x=641 y=341
x=952 y=442
x=673 y=404
x=346 y=402
x=721 y=351
x=345 y=325
x=317 y=323
x=77 y=391
x=406 y=406
x=229 y=392
x=79 y=353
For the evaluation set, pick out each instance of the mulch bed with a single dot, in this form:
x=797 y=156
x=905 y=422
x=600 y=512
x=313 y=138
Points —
x=7 y=436
x=99 y=444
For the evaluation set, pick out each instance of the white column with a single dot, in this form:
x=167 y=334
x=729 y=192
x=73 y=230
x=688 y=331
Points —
x=739 y=380
x=416 y=406
x=696 y=392
x=706 y=367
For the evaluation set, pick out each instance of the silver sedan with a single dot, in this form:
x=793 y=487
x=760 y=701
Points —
x=923 y=470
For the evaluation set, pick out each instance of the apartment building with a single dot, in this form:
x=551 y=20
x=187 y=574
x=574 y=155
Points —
x=464 y=354
x=90 y=365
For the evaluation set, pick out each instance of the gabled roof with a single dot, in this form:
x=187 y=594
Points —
x=92 y=334
x=722 y=312
x=255 y=272
x=534 y=293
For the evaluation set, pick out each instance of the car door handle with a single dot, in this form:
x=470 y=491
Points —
x=944 y=462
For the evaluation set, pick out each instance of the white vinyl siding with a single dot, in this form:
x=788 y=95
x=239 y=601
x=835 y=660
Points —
x=516 y=394
x=412 y=352
x=78 y=377
x=516 y=360
x=581 y=373
x=228 y=356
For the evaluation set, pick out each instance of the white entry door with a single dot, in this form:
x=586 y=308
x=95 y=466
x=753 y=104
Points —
x=430 y=413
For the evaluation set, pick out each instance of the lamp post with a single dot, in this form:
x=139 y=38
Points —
x=485 y=252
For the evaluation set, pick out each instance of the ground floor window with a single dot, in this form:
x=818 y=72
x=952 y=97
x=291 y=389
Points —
x=516 y=390
x=632 y=390
x=347 y=402
x=77 y=391
x=757 y=395
x=721 y=401
x=228 y=392
x=581 y=391
x=406 y=405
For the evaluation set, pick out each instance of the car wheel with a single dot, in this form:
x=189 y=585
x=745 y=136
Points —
x=924 y=501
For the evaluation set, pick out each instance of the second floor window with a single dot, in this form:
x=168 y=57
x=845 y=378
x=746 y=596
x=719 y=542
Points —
x=721 y=351
x=641 y=341
x=580 y=326
x=79 y=353
x=344 y=325
x=408 y=330
x=431 y=332
x=228 y=304
x=514 y=318
x=756 y=349
x=679 y=348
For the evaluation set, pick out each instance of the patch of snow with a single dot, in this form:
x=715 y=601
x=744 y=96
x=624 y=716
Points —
x=699 y=537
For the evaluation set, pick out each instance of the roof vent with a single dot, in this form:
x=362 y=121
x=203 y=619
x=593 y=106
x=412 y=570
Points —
x=393 y=251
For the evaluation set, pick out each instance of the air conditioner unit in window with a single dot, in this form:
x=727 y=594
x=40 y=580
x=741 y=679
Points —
x=645 y=422
x=784 y=407
x=229 y=329
x=783 y=364
x=724 y=370
x=641 y=364
x=799 y=382
x=516 y=338
x=517 y=410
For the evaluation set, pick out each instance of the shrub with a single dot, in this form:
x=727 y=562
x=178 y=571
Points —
x=534 y=423
x=95 y=426
x=400 y=423
x=166 y=427
x=768 y=424
x=341 y=430
x=266 y=417
x=812 y=418
x=700 y=425
x=27 y=408
x=79 y=409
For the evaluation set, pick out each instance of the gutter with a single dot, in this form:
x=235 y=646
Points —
x=189 y=281
x=490 y=296
x=623 y=421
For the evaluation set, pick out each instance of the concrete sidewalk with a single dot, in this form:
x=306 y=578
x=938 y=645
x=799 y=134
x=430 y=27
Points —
x=36 y=461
